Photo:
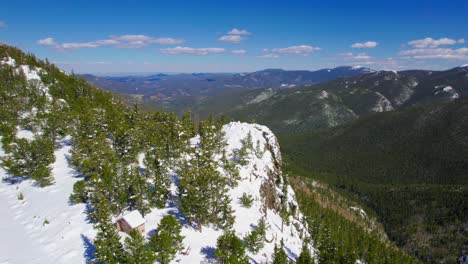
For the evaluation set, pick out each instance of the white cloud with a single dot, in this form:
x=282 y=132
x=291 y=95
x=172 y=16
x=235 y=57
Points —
x=119 y=41
x=2 y=24
x=361 y=56
x=239 y=52
x=301 y=50
x=236 y=31
x=269 y=56
x=193 y=51
x=434 y=43
x=236 y=39
x=46 y=42
x=353 y=56
x=367 y=44
x=78 y=45
x=435 y=53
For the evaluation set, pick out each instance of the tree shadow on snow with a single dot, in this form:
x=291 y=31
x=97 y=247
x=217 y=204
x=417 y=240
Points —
x=14 y=180
x=209 y=253
x=290 y=253
x=89 y=249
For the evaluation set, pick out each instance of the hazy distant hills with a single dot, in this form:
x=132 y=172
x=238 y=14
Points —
x=163 y=86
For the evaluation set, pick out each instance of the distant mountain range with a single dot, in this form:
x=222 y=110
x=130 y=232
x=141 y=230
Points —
x=336 y=102
x=164 y=86
x=291 y=100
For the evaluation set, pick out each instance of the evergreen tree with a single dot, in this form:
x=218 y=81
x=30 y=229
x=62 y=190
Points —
x=246 y=148
x=137 y=251
x=305 y=257
x=202 y=188
x=109 y=250
x=255 y=239
x=188 y=127
x=279 y=256
x=158 y=173
x=138 y=190
x=168 y=240
x=31 y=158
x=79 y=194
x=259 y=150
x=230 y=169
x=230 y=249
x=326 y=246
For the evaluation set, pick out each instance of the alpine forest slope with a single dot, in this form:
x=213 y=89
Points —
x=337 y=102
x=74 y=160
x=409 y=166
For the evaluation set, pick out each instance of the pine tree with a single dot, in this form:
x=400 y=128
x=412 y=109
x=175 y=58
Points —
x=255 y=239
x=138 y=189
x=305 y=257
x=202 y=188
x=230 y=169
x=230 y=249
x=168 y=240
x=109 y=250
x=79 y=194
x=158 y=173
x=279 y=256
x=31 y=158
x=246 y=148
x=188 y=127
x=259 y=150
x=137 y=251
x=326 y=246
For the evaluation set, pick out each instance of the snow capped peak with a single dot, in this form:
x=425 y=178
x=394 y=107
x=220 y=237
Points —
x=356 y=67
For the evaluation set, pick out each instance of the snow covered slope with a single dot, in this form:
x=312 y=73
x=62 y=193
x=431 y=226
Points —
x=43 y=227
x=53 y=231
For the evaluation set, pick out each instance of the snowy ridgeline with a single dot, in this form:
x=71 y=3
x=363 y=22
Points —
x=50 y=230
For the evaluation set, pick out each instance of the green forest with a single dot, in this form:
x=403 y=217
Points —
x=407 y=166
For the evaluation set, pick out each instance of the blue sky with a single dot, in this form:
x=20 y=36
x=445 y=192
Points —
x=235 y=36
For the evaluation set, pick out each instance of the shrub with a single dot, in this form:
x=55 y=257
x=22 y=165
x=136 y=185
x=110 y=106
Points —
x=246 y=200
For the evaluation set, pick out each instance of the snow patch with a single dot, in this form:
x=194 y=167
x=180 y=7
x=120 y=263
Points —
x=9 y=61
x=264 y=95
x=360 y=211
x=323 y=95
x=25 y=134
x=382 y=104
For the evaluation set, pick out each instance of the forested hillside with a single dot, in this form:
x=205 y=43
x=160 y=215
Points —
x=409 y=166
